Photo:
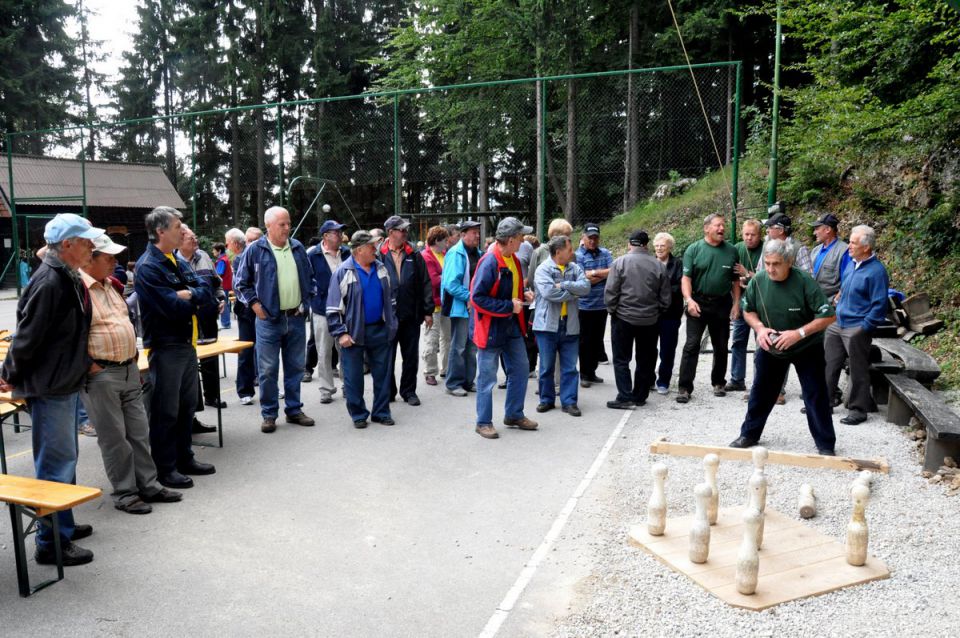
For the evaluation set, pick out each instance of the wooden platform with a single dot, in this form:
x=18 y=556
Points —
x=796 y=561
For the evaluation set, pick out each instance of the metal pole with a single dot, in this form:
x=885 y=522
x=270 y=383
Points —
x=83 y=171
x=396 y=154
x=772 y=187
x=542 y=212
x=280 y=144
x=735 y=156
x=193 y=170
x=13 y=213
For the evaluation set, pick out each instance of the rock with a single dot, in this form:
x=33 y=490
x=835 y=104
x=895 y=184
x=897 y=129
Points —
x=927 y=474
x=934 y=480
x=949 y=462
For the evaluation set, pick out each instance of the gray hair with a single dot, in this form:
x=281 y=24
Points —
x=236 y=236
x=785 y=248
x=160 y=218
x=272 y=212
x=868 y=236
x=667 y=237
x=557 y=243
x=711 y=217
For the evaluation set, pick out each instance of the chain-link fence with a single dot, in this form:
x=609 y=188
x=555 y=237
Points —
x=585 y=147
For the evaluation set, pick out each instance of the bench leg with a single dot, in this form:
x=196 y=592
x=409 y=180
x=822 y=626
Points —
x=897 y=410
x=937 y=450
x=20 y=550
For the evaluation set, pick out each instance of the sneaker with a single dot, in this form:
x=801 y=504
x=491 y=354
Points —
x=281 y=395
x=683 y=396
x=307 y=377
x=73 y=555
x=663 y=390
x=735 y=386
x=718 y=391
x=87 y=429
x=487 y=431
x=457 y=392
x=246 y=400
x=522 y=423
x=269 y=425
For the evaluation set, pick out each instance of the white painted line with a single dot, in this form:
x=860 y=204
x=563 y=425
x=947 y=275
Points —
x=506 y=605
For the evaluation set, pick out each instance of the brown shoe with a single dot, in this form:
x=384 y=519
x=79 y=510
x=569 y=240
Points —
x=268 y=425
x=300 y=419
x=431 y=380
x=782 y=399
x=488 y=432
x=523 y=423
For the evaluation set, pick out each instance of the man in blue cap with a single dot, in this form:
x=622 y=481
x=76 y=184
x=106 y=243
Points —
x=325 y=258
x=47 y=364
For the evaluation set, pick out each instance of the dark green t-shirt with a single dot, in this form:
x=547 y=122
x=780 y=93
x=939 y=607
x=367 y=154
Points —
x=710 y=268
x=751 y=259
x=787 y=305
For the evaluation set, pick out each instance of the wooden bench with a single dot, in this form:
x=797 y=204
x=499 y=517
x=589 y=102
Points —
x=39 y=501
x=908 y=398
x=896 y=355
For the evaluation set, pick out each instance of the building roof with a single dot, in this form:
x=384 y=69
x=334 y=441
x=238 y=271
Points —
x=109 y=184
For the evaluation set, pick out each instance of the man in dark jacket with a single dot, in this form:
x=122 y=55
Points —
x=47 y=365
x=413 y=304
x=171 y=297
x=325 y=258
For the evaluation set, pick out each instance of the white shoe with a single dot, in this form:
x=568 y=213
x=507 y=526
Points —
x=246 y=400
x=280 y=396
x=662 y=390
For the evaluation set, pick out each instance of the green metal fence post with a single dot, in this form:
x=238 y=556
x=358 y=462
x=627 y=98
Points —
x=13 y=213
x=396 y=154
x=772 y=186
x=735 y=158
x=83 y=171
x=280 y=145
x=193 y=170
x=542 y=212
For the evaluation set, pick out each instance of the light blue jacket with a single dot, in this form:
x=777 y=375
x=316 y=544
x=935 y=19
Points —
x=455 y=283
x=550 y=299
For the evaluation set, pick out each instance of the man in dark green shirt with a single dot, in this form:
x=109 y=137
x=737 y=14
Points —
x=750 y=258
x=712 y=302
x=788 y=312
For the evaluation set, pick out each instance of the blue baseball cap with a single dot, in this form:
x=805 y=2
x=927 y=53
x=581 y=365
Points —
x=330 y=225
x=68 y=226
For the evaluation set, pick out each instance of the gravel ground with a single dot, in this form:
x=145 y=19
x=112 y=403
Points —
x=913 y=529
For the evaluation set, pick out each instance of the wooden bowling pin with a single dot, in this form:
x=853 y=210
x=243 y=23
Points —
x=864 y=478
x=758 y=500
x=760 y=455
x=657 y=506
x=807 y=502
x=711 y=462
x=748 y=560
x=700 y=527
x=857 y=535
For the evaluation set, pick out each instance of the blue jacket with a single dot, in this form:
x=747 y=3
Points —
x=455 y=284
x=590 y=261
x=256 y=276
x=550 y=299
x=491 y=294
x=321 y=276
x=345 y=302
x=166 y=318
x=863 y=295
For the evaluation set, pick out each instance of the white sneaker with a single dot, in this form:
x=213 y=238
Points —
x=246 y=400
x=662 y=390
x=280 y=395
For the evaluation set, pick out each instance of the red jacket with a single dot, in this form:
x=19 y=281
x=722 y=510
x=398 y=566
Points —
x=223 y=264
x=435 y=270
x=493 y=302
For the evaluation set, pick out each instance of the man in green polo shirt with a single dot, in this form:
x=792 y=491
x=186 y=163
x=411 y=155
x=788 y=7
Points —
x=750 y=256
x=788 y=312
x=712 y=301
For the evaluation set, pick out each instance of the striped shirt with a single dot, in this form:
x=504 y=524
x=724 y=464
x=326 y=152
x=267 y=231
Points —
x=112 y=337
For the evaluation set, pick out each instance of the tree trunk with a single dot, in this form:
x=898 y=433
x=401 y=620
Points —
x=258 y=115
x=572 y=189
x=633 y=141
x=541 y=193
x=484 y=203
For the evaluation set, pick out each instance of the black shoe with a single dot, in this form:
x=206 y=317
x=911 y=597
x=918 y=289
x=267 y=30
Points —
x=718 y=391
x=735 y=386
x=383 y=420
x=545 y=407
x=200 y=428
x=134 y=506
x=175 y=480
x=743 y=442
x=502 y=385
x=683 y=396
x=470 y=388
x=163 y=496
x=72 y=555
x=620 y=405
x=360 y=424
x=325 y=400
x=591 y=379
x=572 y=410
x=825 y=452
x=300 y=419
x=196 y=468
x=412 y=400
x=213 y=403
x=853 y=419
x=81 y=531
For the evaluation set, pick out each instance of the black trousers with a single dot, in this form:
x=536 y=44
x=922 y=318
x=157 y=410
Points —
x=408 y=340
x=640 y=343
x=312 y=356
x=173 y=374
x=715 y=318
x=593 y=327
x=246 y=359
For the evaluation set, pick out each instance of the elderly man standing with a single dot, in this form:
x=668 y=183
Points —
x=325 y=258
x=637 y=295
x=246 y=323
x=360 y=316
x=712 y=301
x=47 y=364
x=459 y=267
x=171 y=297
x=559 y=284
x=275 y=280
x=749 y=253
x=413 y=304
x=861 y=307
x=789 y=313
x=830 y=256
x=113 y=392
x=595 y=262
x=499 y=326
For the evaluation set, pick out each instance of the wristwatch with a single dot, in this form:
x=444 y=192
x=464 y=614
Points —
x=803 y=333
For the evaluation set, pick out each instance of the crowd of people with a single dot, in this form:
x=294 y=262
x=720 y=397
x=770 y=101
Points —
x=342 y=309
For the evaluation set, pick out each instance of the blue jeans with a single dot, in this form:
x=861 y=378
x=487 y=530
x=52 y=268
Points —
x=568 y=346
x=284 y=337
x=462 y=362
x=738 y=351
x=516 y=364
x=376 y=347
x=225 y=315
x=55 y=451
x=669 y=337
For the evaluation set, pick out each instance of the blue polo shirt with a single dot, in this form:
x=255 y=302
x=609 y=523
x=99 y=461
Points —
x=372 y=294
x=589 y=260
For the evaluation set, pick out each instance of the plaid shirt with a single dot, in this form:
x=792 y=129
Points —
x=112 y=337
x=599 y=260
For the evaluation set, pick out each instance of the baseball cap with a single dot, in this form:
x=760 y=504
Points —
x=828 y=219
x=467 y=224
x=362 y=238
x=103 y=244
x=395 y=222
x=330 y=225
x=591 y=229
x=778 y=219
x=511 y=227
x=639 y=238
x=68 y=226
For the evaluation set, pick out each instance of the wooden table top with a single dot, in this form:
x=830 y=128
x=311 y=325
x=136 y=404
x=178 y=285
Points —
x=44 y=496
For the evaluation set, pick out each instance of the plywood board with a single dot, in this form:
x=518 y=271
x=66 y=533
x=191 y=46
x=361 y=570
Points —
x=796 y=560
